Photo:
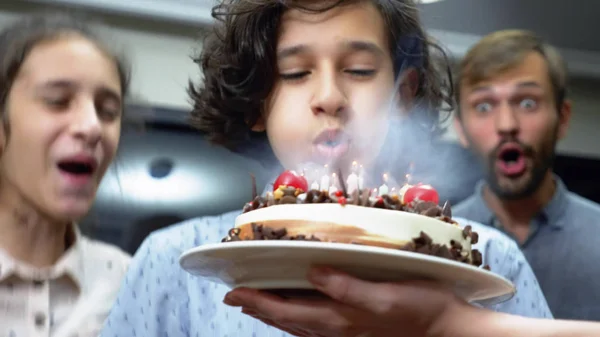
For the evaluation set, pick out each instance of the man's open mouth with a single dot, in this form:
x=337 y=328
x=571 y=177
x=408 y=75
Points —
x=511 y=160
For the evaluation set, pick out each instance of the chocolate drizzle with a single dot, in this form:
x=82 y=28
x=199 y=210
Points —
x=423 y=244
x=290 y=195
x=257 y=203
x=446 y=209
x=342 y=183
x=468 y=233
x=317 y=197
x=360 y=198
x=261 y=232
x=232 y=235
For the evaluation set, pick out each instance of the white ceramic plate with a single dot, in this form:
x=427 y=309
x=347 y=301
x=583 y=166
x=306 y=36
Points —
x=284 y=265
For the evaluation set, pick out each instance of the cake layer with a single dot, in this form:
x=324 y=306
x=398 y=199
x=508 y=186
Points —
x=323 y=231
x=353 y=224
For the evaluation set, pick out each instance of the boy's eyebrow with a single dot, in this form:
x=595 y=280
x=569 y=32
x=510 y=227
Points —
x=357 y=45
x=291 y=51
x=351 y=45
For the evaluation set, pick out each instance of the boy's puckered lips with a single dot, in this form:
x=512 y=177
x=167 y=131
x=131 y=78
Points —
x=330 y=144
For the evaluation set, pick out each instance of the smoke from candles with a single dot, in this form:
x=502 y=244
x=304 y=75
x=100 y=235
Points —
x=409 y=154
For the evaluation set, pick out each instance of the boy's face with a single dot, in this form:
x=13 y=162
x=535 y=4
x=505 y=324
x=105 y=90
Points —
x=331 y=102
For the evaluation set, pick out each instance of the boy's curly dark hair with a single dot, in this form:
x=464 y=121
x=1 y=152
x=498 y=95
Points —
x=239 y=64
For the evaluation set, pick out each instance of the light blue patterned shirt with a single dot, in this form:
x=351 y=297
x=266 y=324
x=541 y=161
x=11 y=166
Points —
x=158 y=298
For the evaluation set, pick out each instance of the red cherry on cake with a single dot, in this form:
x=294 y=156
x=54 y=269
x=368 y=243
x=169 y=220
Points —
x=421 y=192
x=291 y=179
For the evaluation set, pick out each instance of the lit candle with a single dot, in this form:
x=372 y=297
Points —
x=352 y=181
x=333 y=188
x=361 y=179
x=383 y=189
x=315 y=177
x=324 y=182
x=411 y=168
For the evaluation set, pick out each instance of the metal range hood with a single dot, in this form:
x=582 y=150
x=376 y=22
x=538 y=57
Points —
x=196 y=13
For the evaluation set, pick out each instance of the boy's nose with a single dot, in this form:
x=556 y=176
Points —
x=329 y=98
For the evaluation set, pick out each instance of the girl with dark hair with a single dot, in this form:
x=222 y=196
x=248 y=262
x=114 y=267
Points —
x=61 y=106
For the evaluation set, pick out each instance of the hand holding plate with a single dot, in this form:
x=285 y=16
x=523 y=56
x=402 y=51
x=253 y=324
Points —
x=356 y=308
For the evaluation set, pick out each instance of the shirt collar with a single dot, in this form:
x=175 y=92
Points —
x=70 y=264
x=551 y=213
x=555 y=209
x=480 y=211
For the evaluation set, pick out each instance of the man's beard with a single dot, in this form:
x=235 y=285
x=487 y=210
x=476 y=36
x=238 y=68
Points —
x=542 y=161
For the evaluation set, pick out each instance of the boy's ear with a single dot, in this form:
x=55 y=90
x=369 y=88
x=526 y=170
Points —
x=409 y=84
x=259 y=126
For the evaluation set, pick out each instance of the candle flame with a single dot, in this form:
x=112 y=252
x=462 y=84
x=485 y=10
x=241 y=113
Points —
x=354 y=168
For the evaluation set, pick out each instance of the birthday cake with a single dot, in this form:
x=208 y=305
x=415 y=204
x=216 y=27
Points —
x=410 y=220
